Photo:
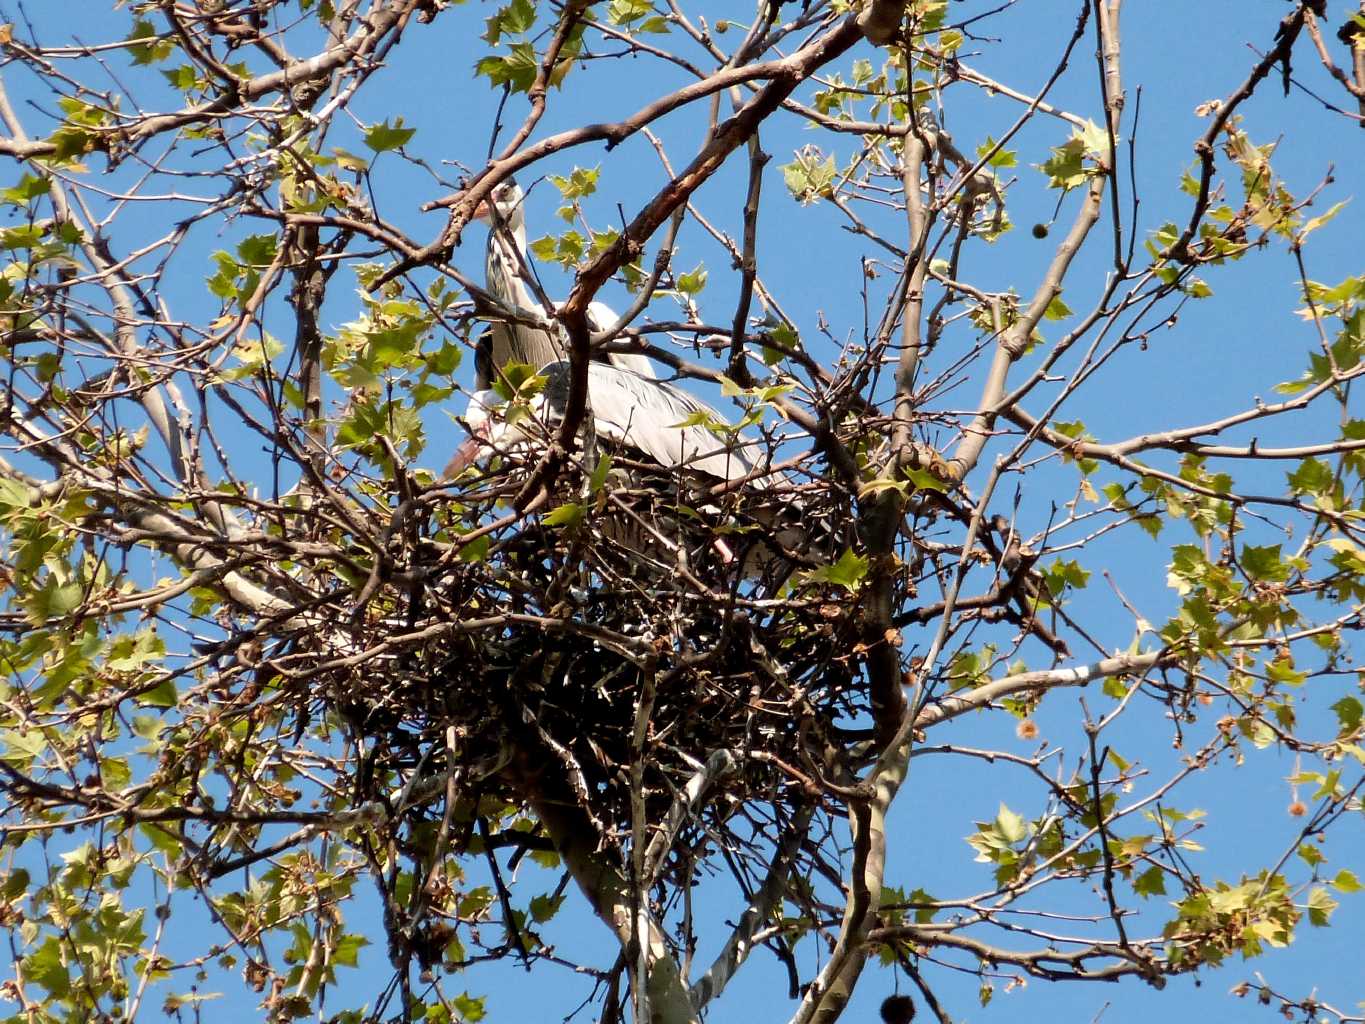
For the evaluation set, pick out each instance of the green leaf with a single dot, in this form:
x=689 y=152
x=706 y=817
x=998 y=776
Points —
x=149 y=727
x=808 y=177
x=147 y=48
x=252 y=354
x=1063 y=574
x=21 y=748
x=515 y=18
x=381 y=137
x=47 y=967
x=1349 y=711
x=1001 y=158
x=1295 y=387
x=848 y=572
x=1313 y=476
x=347 y=950
x=1151 y=882
x=1057 y=309
x=569 y=514
x=53 y=600
x=693 y=282
x=1065 y=169
x=623 y=12
x=582 y=181
x=162 y=838
x=544 y=907
x=1320 y=907
x=517 y=70
x=873 y=487
x=349 y=161
x=544 y=248
x=1321 y=219
x=223 y=284
x=184 y=78
x=468 y=1007
x=700 y=418
x=599 y=474
x=518 y=380
x=784 y=336
x=257 y=250
x=1011 y=825
x=47 y=366
x=27 y=236
x=163 y=695
x=30 y=187
x=925 y=480
x=1196 y=288
x=476 y=550
x=1346 y=881
x=130 y=652
x=13 y=494
x=1263 y=563
x=918 y=898
x=566 y=249
x=15 y=885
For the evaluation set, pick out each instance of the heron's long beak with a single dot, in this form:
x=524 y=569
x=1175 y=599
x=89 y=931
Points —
x=476 y=422
x=484 y=212
x=727 y=553
x=465 y=456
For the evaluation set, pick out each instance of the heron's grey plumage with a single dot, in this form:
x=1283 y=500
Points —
x=658 y=419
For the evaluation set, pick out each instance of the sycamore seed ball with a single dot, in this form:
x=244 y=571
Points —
x=898 y=1010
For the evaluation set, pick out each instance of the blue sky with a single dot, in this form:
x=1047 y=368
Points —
x=1220 y=353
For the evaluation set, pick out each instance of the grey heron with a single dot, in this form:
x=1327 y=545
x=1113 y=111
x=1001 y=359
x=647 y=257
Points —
x=507 y=268
x=667 y=441
x=657 y=419
x=669 y=438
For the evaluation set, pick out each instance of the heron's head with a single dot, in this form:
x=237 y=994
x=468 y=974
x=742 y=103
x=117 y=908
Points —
x=506 y=201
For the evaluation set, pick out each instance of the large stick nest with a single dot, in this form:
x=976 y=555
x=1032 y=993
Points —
x=647 y=627
x=650 y=626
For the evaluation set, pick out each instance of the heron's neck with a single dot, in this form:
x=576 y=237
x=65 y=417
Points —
x=506 y=264
x=517 y=232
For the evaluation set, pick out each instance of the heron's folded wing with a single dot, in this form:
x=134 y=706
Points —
x=667 y=424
